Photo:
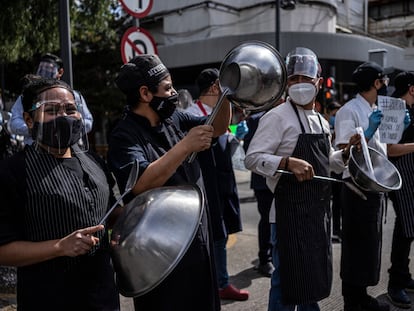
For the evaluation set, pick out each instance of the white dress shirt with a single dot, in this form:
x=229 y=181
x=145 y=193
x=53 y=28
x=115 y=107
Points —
x=353 y=114
x=276 y=137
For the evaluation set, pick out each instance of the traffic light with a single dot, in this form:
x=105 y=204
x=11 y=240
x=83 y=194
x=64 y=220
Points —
x=329 y=90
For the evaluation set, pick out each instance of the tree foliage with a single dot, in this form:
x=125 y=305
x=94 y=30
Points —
x=30 y=28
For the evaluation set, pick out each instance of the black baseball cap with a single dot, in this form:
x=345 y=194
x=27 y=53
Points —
x=141 y=70
x=206 y=78
x=368 y=72
x=402 y=83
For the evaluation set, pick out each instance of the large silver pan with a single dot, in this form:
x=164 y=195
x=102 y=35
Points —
x=152 y=235
x=386 y=176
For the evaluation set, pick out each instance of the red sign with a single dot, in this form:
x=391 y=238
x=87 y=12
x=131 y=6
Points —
x=137 y=41
x=137 y=8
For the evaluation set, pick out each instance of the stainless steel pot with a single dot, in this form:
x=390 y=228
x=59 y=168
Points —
x=386 y=175
x=152 y=235
x=255 y=74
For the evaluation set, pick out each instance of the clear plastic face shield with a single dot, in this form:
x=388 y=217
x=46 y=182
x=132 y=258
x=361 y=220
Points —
x=303 y=62
x=58 y=123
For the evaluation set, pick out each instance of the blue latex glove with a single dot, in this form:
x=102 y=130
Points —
x=374 y=121
x=407 y=119
x=242 y=129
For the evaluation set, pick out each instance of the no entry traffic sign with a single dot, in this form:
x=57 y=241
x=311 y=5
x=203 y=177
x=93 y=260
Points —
x=137 y=8
x=137 y=41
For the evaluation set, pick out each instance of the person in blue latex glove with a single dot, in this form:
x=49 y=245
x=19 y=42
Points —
x=374 y=121
x=241 y=130
x=362 y=220
x=402 y=156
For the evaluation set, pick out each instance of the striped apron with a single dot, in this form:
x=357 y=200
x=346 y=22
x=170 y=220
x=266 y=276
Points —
x=60 y=202
x=303 y=225
x=403 y=199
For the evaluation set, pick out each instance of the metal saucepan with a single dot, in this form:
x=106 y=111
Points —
x=386 y=176
x=152 y=235
x=255 y=74
x=132 y=179
x=252 y=76
x=325 y=178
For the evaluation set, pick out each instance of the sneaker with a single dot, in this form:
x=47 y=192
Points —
x=399 y=298
x=232 y=293
x=410 y=286
x=265 y=269
x=372 y=304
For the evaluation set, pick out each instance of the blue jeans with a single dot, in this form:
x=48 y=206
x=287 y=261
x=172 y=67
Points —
x=275 y=294
x=220 y=257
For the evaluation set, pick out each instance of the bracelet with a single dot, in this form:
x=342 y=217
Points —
x=286 y=163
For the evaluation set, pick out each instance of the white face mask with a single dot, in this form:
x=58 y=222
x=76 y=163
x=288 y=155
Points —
x=302 y=93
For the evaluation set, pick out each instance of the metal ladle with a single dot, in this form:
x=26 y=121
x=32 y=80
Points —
x=325 y=178
x=132 y=179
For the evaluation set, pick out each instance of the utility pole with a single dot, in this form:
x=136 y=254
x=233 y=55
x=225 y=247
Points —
x=65 y=42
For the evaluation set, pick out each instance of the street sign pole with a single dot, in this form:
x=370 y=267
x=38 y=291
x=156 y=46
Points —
x=65 y=42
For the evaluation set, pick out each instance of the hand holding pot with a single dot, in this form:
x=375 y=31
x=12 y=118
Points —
x=374 y=121
x=302 y=169
x=79 y=242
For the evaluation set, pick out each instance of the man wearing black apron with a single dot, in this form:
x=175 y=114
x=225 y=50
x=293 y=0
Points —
x=294 y=138
x=361 y=219
x=402 y=155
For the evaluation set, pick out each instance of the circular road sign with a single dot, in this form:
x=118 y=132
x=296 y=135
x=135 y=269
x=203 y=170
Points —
x=137 y=41
x=137 y=8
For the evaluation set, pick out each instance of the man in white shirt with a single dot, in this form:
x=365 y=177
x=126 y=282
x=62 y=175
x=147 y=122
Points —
x=294 y=137
x=361 y=219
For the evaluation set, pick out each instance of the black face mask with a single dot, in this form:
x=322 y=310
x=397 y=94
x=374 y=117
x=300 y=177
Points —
x=164 y=106
x=61 y=132
x=383 y=90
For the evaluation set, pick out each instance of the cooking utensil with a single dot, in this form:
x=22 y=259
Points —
x=132 y=179
x=325 y=178
x=152 y=235
x=252 y=76
x=386 y=175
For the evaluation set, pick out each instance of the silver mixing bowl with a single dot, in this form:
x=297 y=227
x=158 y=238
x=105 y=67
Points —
x=386 y=175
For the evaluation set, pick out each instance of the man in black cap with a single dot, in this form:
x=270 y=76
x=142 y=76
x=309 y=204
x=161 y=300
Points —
x=161 y=138
x=402 y=155
x=361 y=220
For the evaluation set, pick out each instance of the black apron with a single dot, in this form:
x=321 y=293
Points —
x=361 y=237
x=303 y=225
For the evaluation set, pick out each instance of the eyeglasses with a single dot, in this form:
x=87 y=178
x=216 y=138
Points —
x=54 y=108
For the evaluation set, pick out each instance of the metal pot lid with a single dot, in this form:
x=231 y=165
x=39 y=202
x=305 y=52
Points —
x=152 y=235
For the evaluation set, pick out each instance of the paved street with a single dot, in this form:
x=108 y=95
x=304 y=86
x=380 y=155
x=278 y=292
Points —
x=242 y=254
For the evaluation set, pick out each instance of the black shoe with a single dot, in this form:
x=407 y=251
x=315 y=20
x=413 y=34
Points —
x=352 y=308
x=372 y=304
x=410 y=286
x=266 y=269
x=399 y=298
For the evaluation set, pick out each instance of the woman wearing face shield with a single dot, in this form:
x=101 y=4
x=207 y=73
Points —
x=162 y=138
x=294 y=137
x=54 y=193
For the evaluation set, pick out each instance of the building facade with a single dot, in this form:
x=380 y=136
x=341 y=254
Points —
x=193 y=34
